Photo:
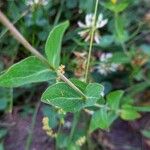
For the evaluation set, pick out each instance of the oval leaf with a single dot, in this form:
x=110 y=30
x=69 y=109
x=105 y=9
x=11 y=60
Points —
x=113 y=99
x=99 y=120
x=53 y=44
x=63 y=96
x=29 y=70
x=128 y=114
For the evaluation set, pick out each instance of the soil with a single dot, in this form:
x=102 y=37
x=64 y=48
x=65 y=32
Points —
x=122 y=136
x=17 y=134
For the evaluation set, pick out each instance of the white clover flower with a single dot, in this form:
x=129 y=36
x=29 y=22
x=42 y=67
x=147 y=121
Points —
x=89 y=21
x=105 y=67
x=36 y=2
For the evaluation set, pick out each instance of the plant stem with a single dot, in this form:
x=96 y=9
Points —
x=19 y=37
x=10 y=107
x=14 y=22
x=74 y=124
x=71 y=84
x=59 y=12
x=91 y=41
x=29 y=138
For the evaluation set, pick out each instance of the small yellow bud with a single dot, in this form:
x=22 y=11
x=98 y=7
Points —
x=49 y=131
x=61 y=70
x=61 y=111
x=81 y=141
x=114 y=1
x=45 y=120
x=45 y=127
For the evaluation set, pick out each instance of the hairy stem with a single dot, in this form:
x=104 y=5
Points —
x=19 y=37
x=91 y=41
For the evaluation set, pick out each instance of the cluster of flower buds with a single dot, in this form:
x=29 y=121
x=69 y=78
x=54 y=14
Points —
x=61 y=111
x=49 y=131
x=81 y=141
x=61 y=69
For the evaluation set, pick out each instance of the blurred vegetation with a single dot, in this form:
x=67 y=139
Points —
x=127 y=37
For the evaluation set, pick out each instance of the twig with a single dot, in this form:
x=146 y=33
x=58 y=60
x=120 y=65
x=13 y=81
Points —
x=14 y=22
x=19 y=37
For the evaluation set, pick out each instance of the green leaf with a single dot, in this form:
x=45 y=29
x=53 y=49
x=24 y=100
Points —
x=5 y=98
x=71 y=4
x=119 y=7
x=52 y=114
x=106 y=40
x=1 y=146
x=81 y=85
x=121 y=34
x=129 y=114
x=119 y=58
x=63 y=96
x=99 y=120
x=94 y=90
x=29 y=70
x=142 y=108
x=113 y=99
x=53 y=44
x=145 y=48
x=3 y=132
x=137 y=88
x=3 y=104
x=87 y=7
x=62 y=140
x=146 y=133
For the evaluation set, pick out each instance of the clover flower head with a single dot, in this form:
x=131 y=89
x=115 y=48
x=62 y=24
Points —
x=89 y=23
x=105 y=67
x=37 y=2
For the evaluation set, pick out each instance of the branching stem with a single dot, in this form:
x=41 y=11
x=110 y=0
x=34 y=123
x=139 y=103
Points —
x=19 y=37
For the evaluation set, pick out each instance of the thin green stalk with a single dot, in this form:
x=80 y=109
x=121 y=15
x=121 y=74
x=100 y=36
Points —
x=124 y=49
x=27 y=45
x=30 y=136
x=71 y=85
x=74 y=124
x=10 y=107
x=91 y=41
x=59 y=12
